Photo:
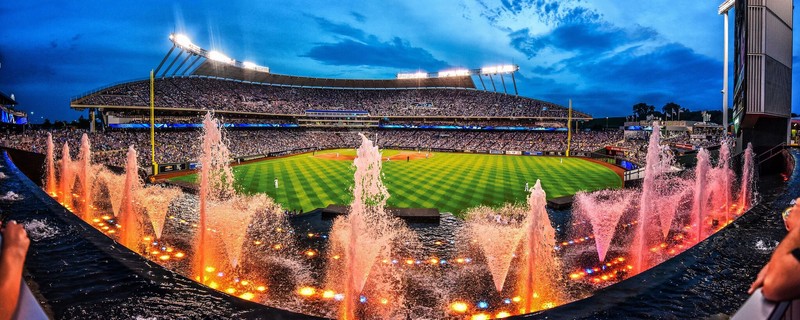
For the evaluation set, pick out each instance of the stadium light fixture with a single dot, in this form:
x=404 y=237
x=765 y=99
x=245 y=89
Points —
x=183 y=40
x=415 y=75
x=454 y=73
x=507 y=68
x=253 y=66
x=218 y=56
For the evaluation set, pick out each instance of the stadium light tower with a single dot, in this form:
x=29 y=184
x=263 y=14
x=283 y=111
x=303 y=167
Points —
x=723 y=10
x=219 y=57
x=501 y=70
x=185 y=45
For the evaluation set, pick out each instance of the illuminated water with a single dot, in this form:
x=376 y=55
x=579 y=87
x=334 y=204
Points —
x=370 y=265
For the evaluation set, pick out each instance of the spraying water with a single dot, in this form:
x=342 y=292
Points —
x=700 y=194
x=67 y=176
x=538 y=278
x=216 y=183
x=51 y=185
x=85 y=175
x=155 y=201
x=603 y=209
x=366 y=232
x=646 y=218
x=505 y=230
x=745 y=197
x=129 y=218
x=724 y=166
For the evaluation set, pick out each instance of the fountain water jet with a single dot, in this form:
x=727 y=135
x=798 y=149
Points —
x=655 y=166
x=231 y=218
x=603 y=209
x=51 y=185
x=129 y=218
x=67 y=176
x=700 y=200
x=216 y=183
x=540 y=267
x=155 y=201
x=745 y=196
x=724 y=165
x=85 y=175
x=364 y=234
x=505 y=231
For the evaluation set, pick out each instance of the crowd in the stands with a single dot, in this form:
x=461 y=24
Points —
x=174 y=146
x=217 y=94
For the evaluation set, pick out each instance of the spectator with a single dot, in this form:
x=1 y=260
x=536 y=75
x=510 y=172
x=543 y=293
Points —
x=12 y=258
x=779 y=279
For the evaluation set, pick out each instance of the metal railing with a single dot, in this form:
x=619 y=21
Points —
x=772 y=152
x=757 y=307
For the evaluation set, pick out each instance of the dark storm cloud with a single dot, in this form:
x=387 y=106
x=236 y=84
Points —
x=359 y=17
x=395 y=53
x=357 y=48
x=584 y=37
x=547 y=11
x=341 y=29
x=617 y=67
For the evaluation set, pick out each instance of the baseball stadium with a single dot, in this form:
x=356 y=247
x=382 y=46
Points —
x=217 y=188
x=449 y=145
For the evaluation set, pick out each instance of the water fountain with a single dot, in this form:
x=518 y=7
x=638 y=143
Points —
x=51 y=186
x=603 y=209
x=505 y=229
x=366 y=233
x=129 y=218
x=538 y=274
x=67 y=177
x=748 y=170
x=216 y=183
x=85 y=174
x=155 y=201
x=374 y=265
x=657 y=164
x=700 y=204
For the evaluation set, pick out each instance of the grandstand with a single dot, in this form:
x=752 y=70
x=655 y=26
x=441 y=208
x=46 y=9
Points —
x=8 y=114
x=243 y=90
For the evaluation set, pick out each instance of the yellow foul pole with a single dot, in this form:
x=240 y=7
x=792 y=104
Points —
x=152 y=124
x=569 y=126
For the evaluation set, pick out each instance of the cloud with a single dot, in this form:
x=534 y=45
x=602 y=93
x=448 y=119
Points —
x=341 y=29
x=357 y=48
x=395 y=53
x=584 y=37
x=359 y=17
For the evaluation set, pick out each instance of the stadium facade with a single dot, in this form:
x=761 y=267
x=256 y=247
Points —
x=762 y=99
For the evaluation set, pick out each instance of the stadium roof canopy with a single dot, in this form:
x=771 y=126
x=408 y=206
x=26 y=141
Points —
x=6 y=100
x=213 y=68
x=216 y=64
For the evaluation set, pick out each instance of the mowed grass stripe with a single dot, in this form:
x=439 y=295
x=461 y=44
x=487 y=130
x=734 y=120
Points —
x=450 y=182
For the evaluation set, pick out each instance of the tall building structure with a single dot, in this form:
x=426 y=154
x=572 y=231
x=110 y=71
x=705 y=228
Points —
x=762 y=100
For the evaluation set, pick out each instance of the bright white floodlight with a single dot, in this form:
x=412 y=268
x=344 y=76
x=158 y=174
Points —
x=415 y=75
x=249 y=65
x=499 y=69
x=218 y=56
x=453 y=73
x=183 y=41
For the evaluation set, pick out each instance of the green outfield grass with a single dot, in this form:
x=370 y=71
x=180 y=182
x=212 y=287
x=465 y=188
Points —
x=450 y=182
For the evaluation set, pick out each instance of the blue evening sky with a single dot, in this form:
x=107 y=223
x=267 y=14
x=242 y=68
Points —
x=604 y=54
